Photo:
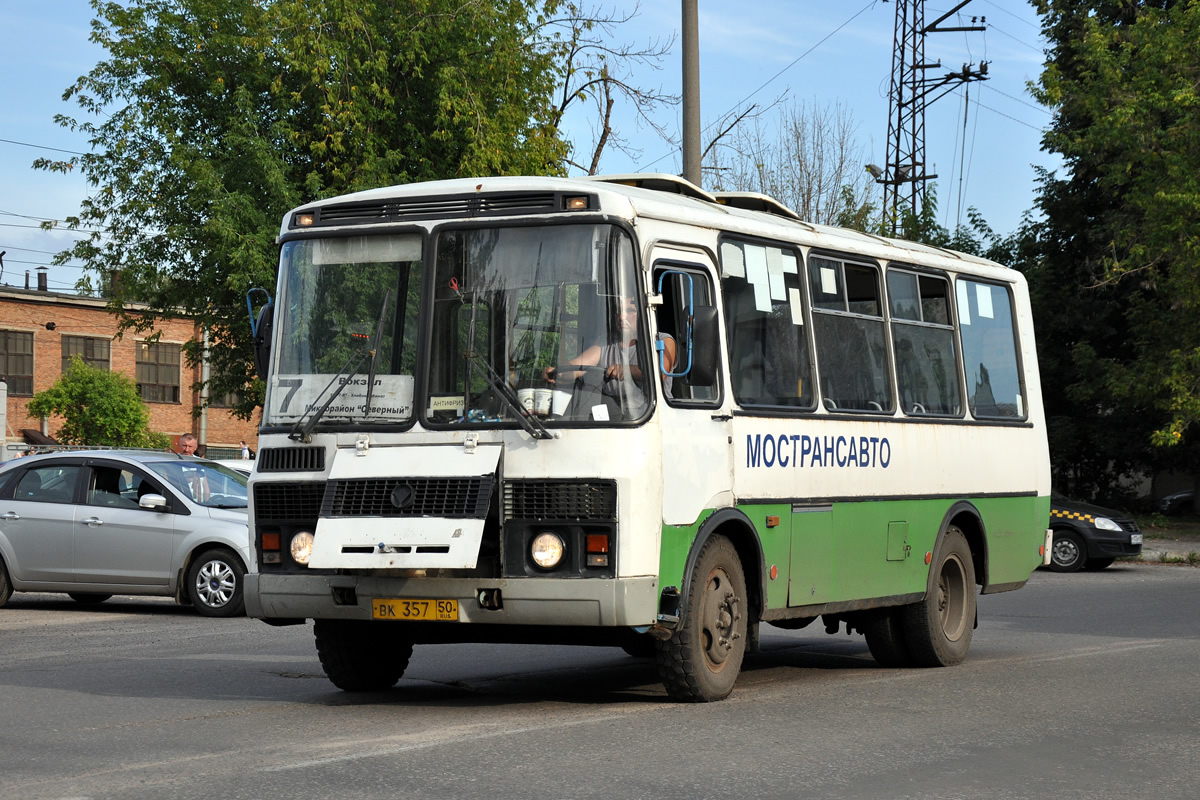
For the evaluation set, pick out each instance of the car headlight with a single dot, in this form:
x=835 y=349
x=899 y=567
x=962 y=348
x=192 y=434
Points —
x=302 y=545
x=547 y=550
x=1106 y=524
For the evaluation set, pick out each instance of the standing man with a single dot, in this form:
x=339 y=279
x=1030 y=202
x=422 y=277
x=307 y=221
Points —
x=245 y=451
x=196 y=482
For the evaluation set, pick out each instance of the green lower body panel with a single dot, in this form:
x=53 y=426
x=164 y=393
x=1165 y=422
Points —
x=850 y=551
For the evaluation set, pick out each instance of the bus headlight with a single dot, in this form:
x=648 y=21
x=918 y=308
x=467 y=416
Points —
x=302 y=544
x=547 y=550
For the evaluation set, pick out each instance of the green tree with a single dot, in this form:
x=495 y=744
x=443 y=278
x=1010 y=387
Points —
x=98 y=407
x=1115 y=265
x=211 y=118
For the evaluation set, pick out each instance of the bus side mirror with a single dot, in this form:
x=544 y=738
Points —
x=705 y=346
x=262 y=338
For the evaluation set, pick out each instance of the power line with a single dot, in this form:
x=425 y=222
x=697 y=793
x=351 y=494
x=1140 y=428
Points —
x=7 y=247
x=40 y=263
x=771 y=79
x=56 y=228
x=1043 y=109
x=1011 y=14
x=1007 y=116
x=43 y=147
x=1021 y=42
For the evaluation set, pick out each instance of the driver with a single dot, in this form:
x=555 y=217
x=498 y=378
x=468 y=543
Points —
x=619 y=359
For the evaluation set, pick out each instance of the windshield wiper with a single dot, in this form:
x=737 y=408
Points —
x=498 y=386
x=302 y=431
x=387 y=299
x=532 y=425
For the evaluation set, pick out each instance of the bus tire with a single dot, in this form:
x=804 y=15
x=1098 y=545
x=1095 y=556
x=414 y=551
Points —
x=358 y=657
x=884 y=631
x=938 y=629
x=701 y=660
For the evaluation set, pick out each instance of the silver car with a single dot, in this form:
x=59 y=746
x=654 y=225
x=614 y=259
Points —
x=103 y=522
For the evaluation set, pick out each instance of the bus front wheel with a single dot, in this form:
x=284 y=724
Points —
x=884 y=631
x=358 y=657
x=701 y=660
x=938 y=628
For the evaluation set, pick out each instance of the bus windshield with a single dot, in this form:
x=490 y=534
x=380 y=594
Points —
x=538 y=320
x=346 y=330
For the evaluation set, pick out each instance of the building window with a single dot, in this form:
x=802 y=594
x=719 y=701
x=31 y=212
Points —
x=94 y=352
x=158 y=375
x=16 y=362
x=227 y=400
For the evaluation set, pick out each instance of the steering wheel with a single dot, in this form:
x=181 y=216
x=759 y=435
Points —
x=568 y=368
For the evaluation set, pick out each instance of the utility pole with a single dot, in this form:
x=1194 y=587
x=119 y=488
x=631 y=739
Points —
x=904 y=176
x=691 y=93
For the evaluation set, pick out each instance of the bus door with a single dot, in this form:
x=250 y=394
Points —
x=697 y=469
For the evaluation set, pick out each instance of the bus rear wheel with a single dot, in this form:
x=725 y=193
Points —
x=358 y=657
x=938 y=629
x=702 y=659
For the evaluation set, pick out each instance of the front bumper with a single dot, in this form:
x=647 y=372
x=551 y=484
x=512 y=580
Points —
x=1105 y=544
x=591 y=602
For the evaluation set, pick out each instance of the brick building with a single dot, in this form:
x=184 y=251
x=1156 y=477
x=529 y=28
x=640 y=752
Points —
x=41 y=330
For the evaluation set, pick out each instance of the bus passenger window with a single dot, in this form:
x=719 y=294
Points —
x=849 y=335
x=923 y=340
x=768 y=339
x=987 y=328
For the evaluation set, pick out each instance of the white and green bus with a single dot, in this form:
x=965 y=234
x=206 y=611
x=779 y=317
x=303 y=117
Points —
x=627 y=412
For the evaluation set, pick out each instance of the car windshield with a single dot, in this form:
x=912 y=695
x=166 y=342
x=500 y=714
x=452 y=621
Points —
x=540 y=321
x=336 y=297
x=203 y=482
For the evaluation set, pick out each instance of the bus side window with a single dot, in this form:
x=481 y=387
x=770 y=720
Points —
x=989 y=347
x=679 y=287
x=848 y=325
x=765 y=322
x=923 y=344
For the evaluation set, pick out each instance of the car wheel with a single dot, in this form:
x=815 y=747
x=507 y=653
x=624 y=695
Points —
x=938 y=629
x=214 y=584
x=1068 y=552
x=1098 y=563
x=6 y=589
x=88 y=598
x=360 y=656
x=701 y=660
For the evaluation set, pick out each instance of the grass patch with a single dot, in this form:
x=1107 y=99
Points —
x=1158 y=526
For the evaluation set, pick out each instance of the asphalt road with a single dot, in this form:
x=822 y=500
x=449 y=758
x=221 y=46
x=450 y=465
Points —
x=1077 y=686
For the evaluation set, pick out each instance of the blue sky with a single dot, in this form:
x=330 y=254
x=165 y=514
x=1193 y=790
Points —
x=810 y=51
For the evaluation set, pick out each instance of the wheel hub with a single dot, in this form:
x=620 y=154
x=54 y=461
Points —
x=720 y=612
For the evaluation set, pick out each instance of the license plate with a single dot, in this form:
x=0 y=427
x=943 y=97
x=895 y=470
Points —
x=1135 y=538
x=406 y=609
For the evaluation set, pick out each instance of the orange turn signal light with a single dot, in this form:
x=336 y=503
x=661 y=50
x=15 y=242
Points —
x=270 y=541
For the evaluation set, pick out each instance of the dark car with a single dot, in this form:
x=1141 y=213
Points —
x=1087 y=536
x=1178 y=503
